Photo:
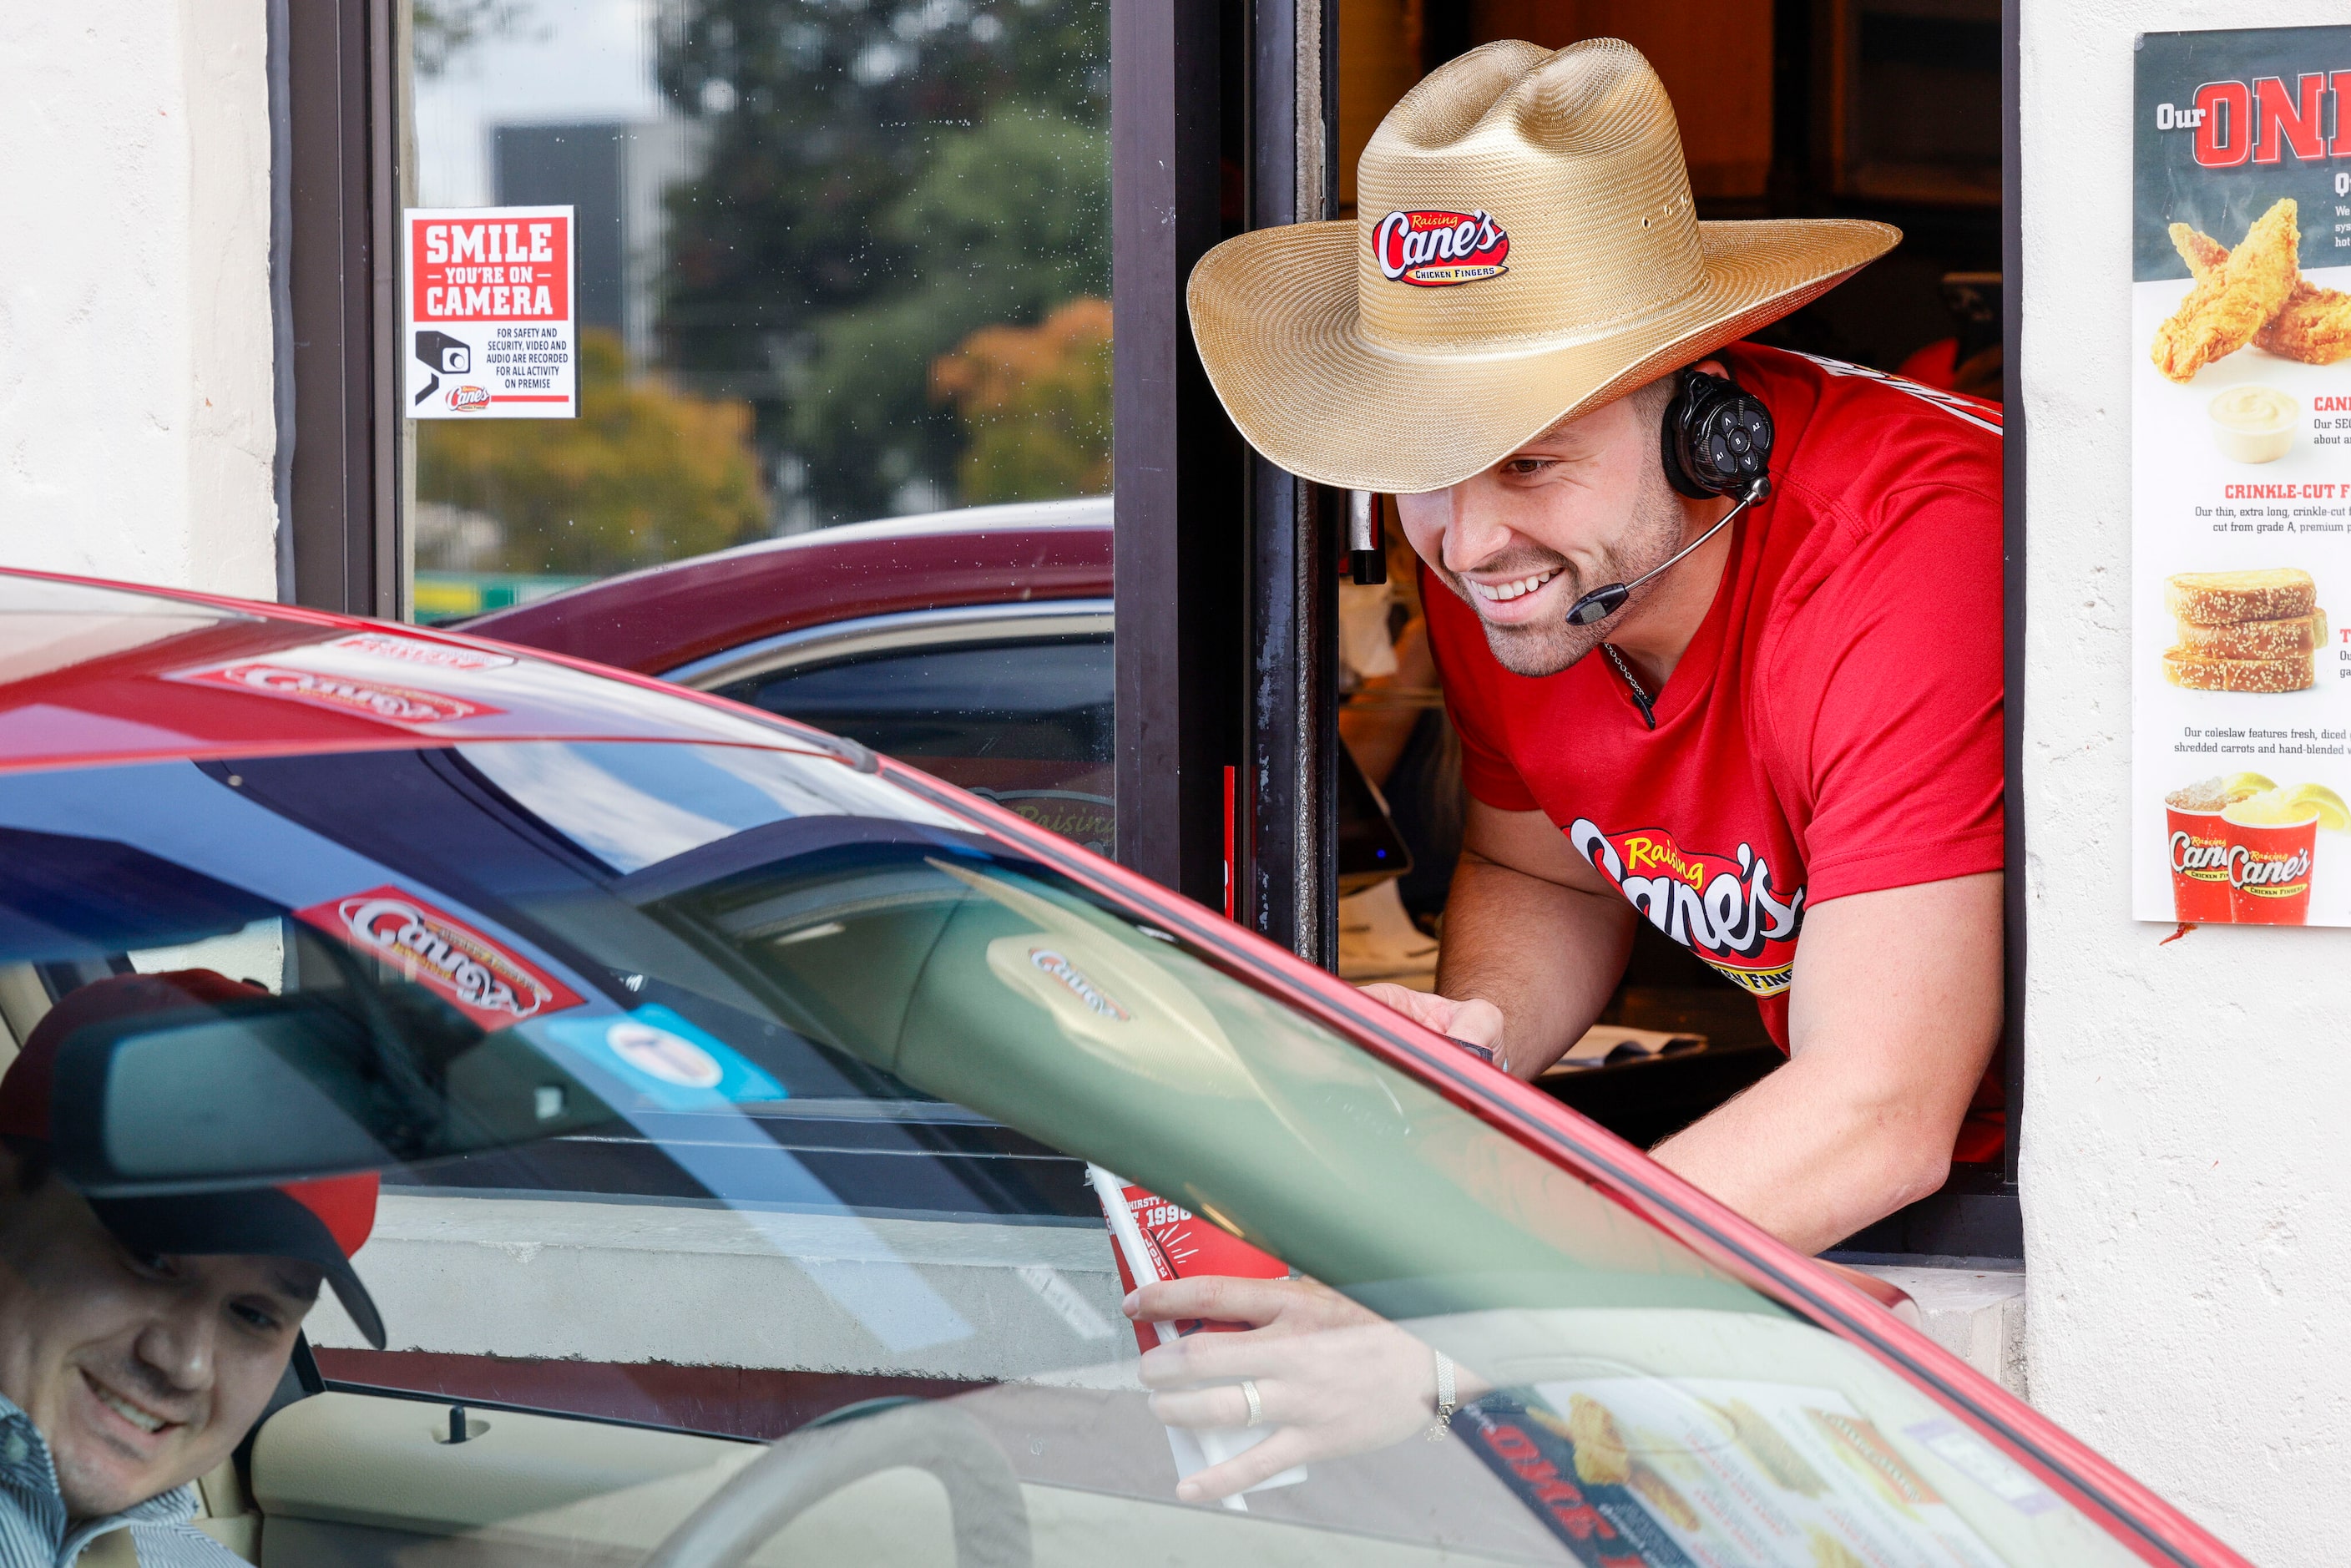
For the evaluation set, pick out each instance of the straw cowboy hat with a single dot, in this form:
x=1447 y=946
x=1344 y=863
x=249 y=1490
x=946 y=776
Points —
x=1524 y=250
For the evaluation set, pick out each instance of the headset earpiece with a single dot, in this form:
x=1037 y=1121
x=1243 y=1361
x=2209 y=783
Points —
x=1717 y=442
x=1716 y=438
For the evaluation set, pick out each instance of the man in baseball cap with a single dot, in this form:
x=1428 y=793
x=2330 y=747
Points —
x=1719 y=627
x=140 y=1338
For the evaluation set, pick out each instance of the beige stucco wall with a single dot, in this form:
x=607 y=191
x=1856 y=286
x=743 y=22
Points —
x=2188 y=1246
x=136 y=410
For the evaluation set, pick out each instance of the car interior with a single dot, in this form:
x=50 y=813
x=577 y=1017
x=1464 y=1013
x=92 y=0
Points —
x=779 y=1239
x=1025 y=720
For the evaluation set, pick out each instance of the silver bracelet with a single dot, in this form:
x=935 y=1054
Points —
x=1446 y=1402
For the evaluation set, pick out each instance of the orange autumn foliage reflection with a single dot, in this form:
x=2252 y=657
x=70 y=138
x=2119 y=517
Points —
x=1036 y=403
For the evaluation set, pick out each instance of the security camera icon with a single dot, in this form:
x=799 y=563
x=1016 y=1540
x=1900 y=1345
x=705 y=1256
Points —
x=447 y=355
x=444 y=355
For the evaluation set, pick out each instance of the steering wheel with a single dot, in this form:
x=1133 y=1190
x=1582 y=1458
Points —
x=984 y=1501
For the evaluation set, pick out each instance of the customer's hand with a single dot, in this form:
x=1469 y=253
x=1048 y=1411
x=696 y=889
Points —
x=1331 y=1377
x=1474 y=1020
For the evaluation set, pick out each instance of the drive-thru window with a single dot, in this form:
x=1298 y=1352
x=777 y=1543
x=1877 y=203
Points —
x=859 y=267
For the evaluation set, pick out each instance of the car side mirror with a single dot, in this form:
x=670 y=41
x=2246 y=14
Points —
x=283 y=1087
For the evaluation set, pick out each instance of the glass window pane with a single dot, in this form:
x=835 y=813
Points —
x=1027 y=725
x=835 y=262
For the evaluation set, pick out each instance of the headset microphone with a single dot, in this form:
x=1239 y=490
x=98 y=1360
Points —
x=1716 y=441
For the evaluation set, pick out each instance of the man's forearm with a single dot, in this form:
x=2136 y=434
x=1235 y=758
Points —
x=1809 y=1159
x=1894 y=1013
x=1547 y=955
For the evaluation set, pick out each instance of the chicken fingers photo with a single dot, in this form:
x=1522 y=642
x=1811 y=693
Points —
x=2234 y=300
x=2313 y=326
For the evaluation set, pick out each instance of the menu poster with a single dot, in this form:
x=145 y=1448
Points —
x=2241 y=477
x=1633 y=1472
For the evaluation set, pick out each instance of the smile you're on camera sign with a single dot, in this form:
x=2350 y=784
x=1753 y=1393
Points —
x=490 y=332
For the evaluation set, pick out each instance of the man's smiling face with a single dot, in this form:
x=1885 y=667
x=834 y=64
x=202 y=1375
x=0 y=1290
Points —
x=1584 y=505
x=141 y=1373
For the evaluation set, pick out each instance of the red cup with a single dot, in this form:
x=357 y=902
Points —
x=2269 y=872
x=1184 y=1246
x=2199 y=867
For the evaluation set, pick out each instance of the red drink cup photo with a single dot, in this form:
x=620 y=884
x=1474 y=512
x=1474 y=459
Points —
x=2196 y=844
x=2199 y=847
x=2272 y=841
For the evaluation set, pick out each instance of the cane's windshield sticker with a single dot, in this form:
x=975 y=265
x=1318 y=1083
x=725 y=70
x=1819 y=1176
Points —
x=1722 y=908
x=1106 y=995
x=482 y=978
x=1439 y=249
x=668 y=1060
x=417 y=651
x=1096 y=999
x=410 y=706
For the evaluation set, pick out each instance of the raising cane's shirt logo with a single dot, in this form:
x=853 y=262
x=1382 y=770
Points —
x=400 y=704
x=484 y=979
x=1439 y=249
x=1721 y=907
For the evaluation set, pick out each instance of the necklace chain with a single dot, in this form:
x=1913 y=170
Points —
x=1640 y=697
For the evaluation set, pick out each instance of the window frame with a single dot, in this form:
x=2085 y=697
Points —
x=900 y=631
x=336 y=195
x=1226 y=713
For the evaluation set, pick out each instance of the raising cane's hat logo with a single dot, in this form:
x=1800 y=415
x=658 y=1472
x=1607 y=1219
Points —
x=482 y=978
x=1439 y=249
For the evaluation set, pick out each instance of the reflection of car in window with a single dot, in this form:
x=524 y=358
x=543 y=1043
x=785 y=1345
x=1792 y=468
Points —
x=730 y=1086
x=975 y=645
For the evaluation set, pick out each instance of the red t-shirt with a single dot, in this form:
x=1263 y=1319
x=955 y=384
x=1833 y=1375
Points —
x=1834 y=727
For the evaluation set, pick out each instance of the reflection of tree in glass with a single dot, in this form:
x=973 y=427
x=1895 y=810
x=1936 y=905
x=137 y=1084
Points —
x=441 y=29
x=1036 y=403
x=645 y=474
x=880 y=181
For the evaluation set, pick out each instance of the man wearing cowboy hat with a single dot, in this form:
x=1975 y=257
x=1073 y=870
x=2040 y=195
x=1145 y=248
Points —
x=1785 y=751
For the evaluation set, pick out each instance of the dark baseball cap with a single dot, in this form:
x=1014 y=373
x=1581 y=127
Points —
x=320 y=1222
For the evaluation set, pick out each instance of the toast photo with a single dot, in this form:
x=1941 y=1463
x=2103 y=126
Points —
x=2256 y=632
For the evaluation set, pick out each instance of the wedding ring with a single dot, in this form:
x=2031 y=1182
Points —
x=1255 y=1406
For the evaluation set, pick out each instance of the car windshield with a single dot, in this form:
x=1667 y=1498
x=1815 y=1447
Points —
x=727 y=1097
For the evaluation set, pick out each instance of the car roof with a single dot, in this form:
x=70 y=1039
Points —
x=665 y=617
x=93 y=672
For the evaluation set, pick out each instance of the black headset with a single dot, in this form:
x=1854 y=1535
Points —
x=1715 y=440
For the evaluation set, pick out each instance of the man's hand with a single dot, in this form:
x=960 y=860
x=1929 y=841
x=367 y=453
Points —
x=1474 y=1018
x=1892 y=1017
x=1534 y=942
x=1331 y=1377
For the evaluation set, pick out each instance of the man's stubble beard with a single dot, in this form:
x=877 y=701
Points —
x=1651 y=535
